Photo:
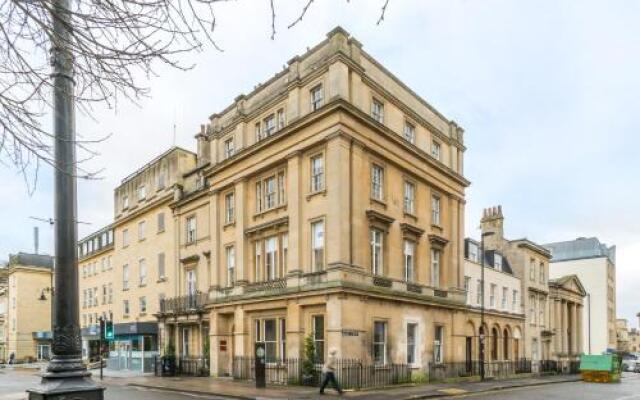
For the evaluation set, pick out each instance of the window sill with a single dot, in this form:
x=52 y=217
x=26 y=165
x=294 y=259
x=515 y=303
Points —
x=142 y=239
x=142 y=285
x=125 y=316
x=142 y=314
x=160 y=231
x=411 y=216
x=437 y=227
x=260 y=214
x=373 y=200
x=163 y=279
x=229 y=224
x=322 y=192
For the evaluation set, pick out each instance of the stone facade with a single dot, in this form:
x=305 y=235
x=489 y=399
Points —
x=27 y=305
x=530 y=262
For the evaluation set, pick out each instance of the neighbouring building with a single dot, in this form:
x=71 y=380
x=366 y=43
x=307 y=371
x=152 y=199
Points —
x=622 y=334
x=594 y=264
x=553 y=308
x=504 y=315
x=127 y=268
x=25 y=298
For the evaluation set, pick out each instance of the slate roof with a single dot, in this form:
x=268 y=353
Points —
x=580 y=248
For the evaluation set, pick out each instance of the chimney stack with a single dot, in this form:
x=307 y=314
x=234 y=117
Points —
x=492 y=221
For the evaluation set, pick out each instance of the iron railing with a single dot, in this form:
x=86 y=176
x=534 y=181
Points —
x=185 y=366
x=351 y=373
x=271 y=285
x=558 y=367
x=184 y=304
x=438 y=372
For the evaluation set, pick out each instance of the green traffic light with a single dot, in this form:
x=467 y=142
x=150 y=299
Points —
x=108 y=330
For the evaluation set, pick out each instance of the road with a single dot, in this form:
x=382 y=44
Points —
x=14 y=383
x=628 y=389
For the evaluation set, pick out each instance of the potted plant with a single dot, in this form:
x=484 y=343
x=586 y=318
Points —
x=308 y=362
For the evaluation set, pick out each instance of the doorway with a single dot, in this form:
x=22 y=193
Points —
x=469 y=353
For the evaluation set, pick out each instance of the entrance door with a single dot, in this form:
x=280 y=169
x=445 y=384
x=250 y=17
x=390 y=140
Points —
x=124 y=353
x=469 y=353
x=185 y=342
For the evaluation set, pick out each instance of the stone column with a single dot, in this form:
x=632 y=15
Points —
x=215 y=237
x=241 y=216
x=295 y=331
x=557 y=317
x=240 y=334
x=338 y=187
x=574 y=328
x=579 y=327
x=565 y=342
x=294 y=199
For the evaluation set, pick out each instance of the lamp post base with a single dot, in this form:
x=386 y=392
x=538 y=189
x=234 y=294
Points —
x=76 y=385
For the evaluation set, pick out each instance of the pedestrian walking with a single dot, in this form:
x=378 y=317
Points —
x=329 y=370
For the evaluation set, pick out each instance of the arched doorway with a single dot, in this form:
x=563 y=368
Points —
x=469 y=347
x=516 y=343
x=505 y=344
x=494 y=344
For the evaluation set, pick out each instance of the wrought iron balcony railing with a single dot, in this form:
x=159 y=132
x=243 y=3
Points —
x=184 y=304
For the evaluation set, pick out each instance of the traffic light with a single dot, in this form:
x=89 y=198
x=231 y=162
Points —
x=108 y=330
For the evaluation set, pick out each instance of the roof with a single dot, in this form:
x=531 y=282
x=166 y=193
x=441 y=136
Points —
x=490 y=257
x=581 y=248
x=564 y=280
x=150 y=163
x=36 y=260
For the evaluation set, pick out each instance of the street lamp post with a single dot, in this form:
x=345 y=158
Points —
x=482 y=332
x=66 y=376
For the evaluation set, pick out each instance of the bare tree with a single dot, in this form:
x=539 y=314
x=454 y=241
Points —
x=113 y=43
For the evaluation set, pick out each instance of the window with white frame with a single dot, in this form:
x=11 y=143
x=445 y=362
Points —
x=269 y=125
x=492 y=295
x=412 y=342
x=191 y=227
x=125 y=277
x=125 y=238
x=270 y=192
x=229 y=207
x=438 y=344
x=125 y=307
x=542 y=274
x=532 y=270
x=514 y=301
x=377 y=182
x=435 y=150
x=229 y=147
x=473 y=252
x=125 y=202
x=318 y=337
x=479 y=292
x=143 y=305
x=160 y=222
x=282 y=342
x=104 y=294
x=161 y=266
x=317 y=173
x=142 y=271
x=505 y=297
x=409 y=260
x=532 y=308
x=230 y=252
x=435 y=267
x=281 y=119
x=409 y=132
x=270 y=257
x=317 y=245
x=258 y=131
x=409 y=197
x=377 y=110
x=285 y=253
x=435 y=210
x=380 y=342
x=467 y=287
x=110 y=293
x=497 y=261
x=142 y=192
x=316 y=97
x=270 y=332
x=142 y=230
x=258 y=260
x=541 y=307
x=376 y=251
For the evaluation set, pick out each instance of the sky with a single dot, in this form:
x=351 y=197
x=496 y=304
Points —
x=545 y=90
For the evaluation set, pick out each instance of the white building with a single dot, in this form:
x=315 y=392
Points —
x=594 y=264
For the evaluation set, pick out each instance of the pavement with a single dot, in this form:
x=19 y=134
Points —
x=14 y=382
x=247 y=391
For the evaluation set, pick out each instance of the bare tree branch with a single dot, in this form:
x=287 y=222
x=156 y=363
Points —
x=382 y=12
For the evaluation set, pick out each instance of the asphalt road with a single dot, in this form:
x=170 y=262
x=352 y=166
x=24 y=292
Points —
x=14 y=383
x=628 y=389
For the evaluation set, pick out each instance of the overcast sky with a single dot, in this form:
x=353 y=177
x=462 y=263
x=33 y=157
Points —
x=547 y=92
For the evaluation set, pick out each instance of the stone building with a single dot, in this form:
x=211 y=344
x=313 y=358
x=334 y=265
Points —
x=127 y=268
x=4 y=302
x=593 y=263
x=26 y=300
x=328 y=202
x=551 y=307
x=622 y=334
x=504 y=316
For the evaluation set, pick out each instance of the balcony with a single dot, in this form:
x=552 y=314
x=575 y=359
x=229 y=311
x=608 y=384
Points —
x=189 y=304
